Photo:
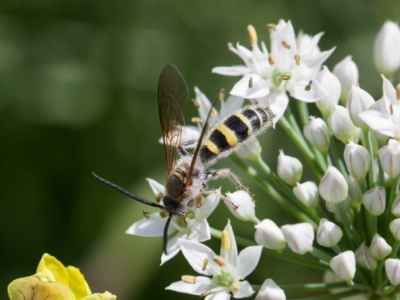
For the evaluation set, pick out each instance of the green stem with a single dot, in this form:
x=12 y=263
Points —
x=335 y=296
x=302 y=109
x=316 y=287
x=372 y=167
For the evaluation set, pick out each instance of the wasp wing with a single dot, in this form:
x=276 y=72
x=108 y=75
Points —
x=172 y=97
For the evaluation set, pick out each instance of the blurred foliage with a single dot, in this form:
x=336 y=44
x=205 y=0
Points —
x=78 y=94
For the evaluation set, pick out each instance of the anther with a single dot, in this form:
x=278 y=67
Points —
x=205 y=263
x=398 y=91
x=271 y=27
x=196 y=120
x=225 y=241
x=214 y=112
x=297 y=59
x=271 y=59
x=250 y=82
x=199 y=200
x=308 y=86
x=196 y=103
x=221 y=95
x=236 y=286
x=205 y=294
x=163 y=214
x=251 y=32
x=230 y=46
x=188 y=279
x=146 y=214
x=219 y=260
x=286 y=45
x=285 y=77
x=159 y=197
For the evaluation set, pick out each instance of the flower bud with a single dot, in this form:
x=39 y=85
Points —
x=335 y=208
x=357 y=160
x=299 y=237
x=341 y=125
x=347 y=73
x=241 y=205
x=329 y=234
x=396 y=206
x=317 y=134
x=374 y=200
x=358 y=101
x=270 y=291
x=389 y=157
x=307 y=193
x=392 y=266
x=379 y=249
x=386 y=46
x=333 y=187
x=290 y=169
x=344 y=265
x=269 y=235
x=394 y=227
x=331 y=85
x=354 y=191
x=249 y=150
x=364 y=259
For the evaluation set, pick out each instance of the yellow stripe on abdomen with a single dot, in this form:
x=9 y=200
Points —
x=229 y=135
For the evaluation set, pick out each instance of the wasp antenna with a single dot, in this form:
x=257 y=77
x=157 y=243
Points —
x=165 y=237
x=125 y=192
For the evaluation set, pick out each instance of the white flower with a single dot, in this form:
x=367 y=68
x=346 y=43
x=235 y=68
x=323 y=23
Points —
x=332 y=86
x=392 y=266
x=396 y=206
x=386 y=49
x=394 y=227
x=374 y=200
x=289 y=168
x=389 y=157
x=344 y=265
x=379 y=248
x=307 y=193
x=358 y=101
x=357 y=160
x=364 y=259
x=227 y=269
x=329 y=234
x=299 y=237
x=270 y=291
x=287 y=68
x=341 y=125
x=333 y=187
x=317 y=134
x=194 y=227
x=347 y=73
x=269 y=235
x=241 y=205
x=386 y=120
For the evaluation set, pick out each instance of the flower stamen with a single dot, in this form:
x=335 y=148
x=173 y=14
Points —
x=188 y=279
x=250 y=82
x=236 y=286
x=271 y=59
x=205 y=294
x=271 y=27
x=205 y=263
x=398 y=91
x=297 y=59
x=159 y=197
x=286 y=45
x=251 y=31
x=196 y=103
x=285 y=77
x=219 y=260
x=196 y=120
x=225 y=241
x=308 y=86
x=146 y=214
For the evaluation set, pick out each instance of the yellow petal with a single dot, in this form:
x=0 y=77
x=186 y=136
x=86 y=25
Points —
x=98 y=296
x=53 y=269
x=32 y=288
x=77 y=283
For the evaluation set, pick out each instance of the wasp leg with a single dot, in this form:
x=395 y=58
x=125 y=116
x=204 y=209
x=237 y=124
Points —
x=225 y=173
x=182 y=149
x=224 y=198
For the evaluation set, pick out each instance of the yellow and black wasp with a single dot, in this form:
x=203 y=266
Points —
x=186 y=173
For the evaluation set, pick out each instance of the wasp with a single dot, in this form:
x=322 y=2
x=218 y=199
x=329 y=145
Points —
x=186 y=172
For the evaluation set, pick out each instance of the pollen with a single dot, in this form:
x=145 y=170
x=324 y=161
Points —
x=188 y=279
x=205 y=263
x=286 y=45
x=251 y=31
x=196 y=103
x=308 y=86
x=146 y=214
x=219 y=260
x=236 y=286
x=271 y=59
x=297 y=59
x=285 y=77
x=250 y=82
x=398 y=91
x=225 y=241
x=196 y=120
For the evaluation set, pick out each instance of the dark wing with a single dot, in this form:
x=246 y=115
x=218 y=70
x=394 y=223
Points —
x=172 y=97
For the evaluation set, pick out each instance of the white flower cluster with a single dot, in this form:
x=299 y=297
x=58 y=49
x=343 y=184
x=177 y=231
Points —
x=349 y=214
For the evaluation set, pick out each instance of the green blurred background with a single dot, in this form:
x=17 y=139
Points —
x=78 y=84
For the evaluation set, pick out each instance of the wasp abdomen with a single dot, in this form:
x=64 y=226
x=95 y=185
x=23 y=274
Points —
x=234 y=130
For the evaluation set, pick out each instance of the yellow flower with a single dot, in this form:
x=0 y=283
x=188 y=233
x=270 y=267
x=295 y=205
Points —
x=54 y=281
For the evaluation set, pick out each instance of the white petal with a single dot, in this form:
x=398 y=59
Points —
x=219 y=296
x=231 y=105
x=316 y=60
x=201 y=231
x=248 y=260
x=151 y=227
x=202 y=284
x=259 y=87
x=156 y=186
x=208 y=206
x=231 y=71
x=231 y=254
x=316 y=92
x=195 y=253
x=379 y=121
x=204 y=103
x=173 y=249
x=389 y=91
x=245 y=290
x=278 y=105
